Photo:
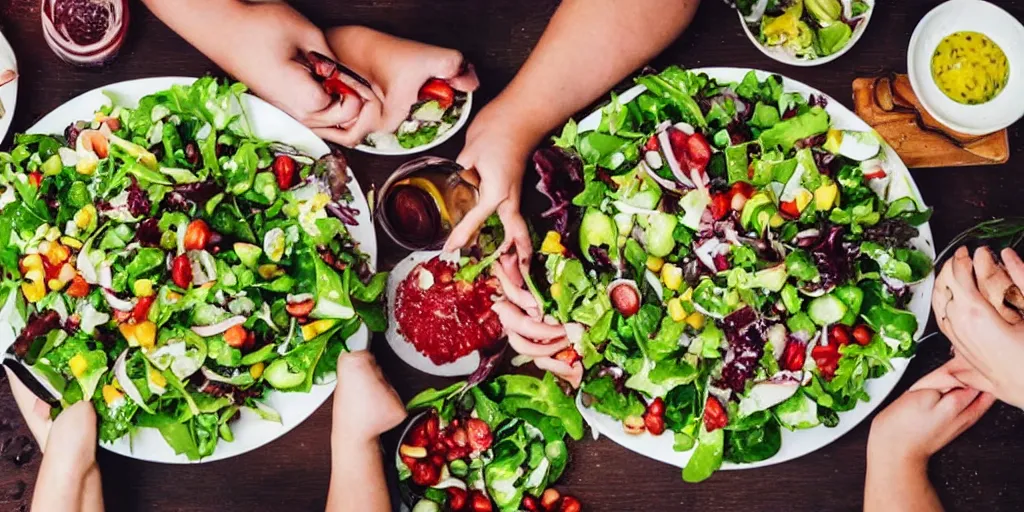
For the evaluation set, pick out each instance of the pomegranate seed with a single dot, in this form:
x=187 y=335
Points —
x=284 y=171
x=657 y=407
x=457 y=498
x=570 y=504
x=655 y=424
x=839 y=335
x=530 y=504
x=431 y=426
x=862 y=334
x=549 y=499
x=480 y=437
x=425 y=473
x=625 y=300
x=480 y=502
x=181 y=271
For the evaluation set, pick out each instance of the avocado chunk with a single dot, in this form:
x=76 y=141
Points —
x=771 y=279
x=248 y=253
x=279 y=375
x=757 y=203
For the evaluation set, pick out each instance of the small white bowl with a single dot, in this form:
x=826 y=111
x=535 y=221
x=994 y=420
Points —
x=784 y=56
x=977 y=16
x=459 y=123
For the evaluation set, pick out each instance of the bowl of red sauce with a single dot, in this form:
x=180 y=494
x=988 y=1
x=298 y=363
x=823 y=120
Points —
x=437 y=323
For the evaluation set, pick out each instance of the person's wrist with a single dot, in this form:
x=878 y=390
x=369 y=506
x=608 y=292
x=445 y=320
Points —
x=347 y=440
x=511 y=117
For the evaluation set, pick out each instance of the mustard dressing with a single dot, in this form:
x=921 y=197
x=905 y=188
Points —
x=970 y=68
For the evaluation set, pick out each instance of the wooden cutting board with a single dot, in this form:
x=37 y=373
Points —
x=889 y=105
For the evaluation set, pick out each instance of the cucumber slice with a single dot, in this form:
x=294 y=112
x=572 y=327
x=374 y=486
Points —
x=826 y=310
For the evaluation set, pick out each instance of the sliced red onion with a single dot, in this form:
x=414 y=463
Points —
x=204 y=267
x=72 y=29
x=121 y=373
x=212 y=330
x=677 y=171
x=706 y=252
x=664 y=183
x=654 y=159
x=115 y=302
x=105 y=278
x=686 y=128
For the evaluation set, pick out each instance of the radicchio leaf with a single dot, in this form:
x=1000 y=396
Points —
x=148 y=232
x=38 y=325
x=561 y=179
x=185 y=197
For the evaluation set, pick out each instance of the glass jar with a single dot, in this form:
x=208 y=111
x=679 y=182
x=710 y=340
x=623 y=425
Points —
x=85 y=32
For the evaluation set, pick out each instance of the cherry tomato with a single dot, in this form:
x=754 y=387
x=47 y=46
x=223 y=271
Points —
x=720 y=206
x=839 y=335
x=862 y=334
x=437 y=89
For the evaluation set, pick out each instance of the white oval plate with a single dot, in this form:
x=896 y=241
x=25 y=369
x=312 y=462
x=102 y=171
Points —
x=976 y=16
x=463 y=118
x=268 y=123
x=784 y=56
x=801 y=442
x=9 y=92
x=405 y=350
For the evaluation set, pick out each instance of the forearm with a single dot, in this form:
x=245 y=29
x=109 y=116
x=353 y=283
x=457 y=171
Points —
x=60 y=486
x=896 y=485
x=589 y=46
x=92 y=494
x=357 y=478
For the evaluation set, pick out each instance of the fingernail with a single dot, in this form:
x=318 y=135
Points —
x=962 y=251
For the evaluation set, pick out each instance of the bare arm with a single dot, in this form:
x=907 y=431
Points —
x=357 y=477
x=589 y=46
x=898 y=485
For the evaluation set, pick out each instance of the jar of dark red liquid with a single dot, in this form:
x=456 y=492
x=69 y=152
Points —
x=423 y=200
x=85 y=32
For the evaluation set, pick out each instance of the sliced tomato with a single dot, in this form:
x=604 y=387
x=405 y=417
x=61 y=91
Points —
x=141 y=309
x=35 y=178
x=839 y=335
x=827 y=359
x=794 y=355
x=741 y=188
x=335 y=87
x=652 y=143
x=715 y=416
x=875 y=174
x=437 y=89
x=699 y=152
x=679 y=142
x=720 y=206
x=789 y=209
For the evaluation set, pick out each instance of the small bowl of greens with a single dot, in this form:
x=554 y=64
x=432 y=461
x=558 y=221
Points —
x=805 y=32
x=438 y=115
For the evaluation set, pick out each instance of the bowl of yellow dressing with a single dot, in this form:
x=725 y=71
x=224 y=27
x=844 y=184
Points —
x=966 y=64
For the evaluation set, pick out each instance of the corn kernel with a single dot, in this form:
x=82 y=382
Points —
x=157 y=378
x=672 y=276
x=557 y=290
x=85 y=216
x=55 y=284
x=87 y=164
x=32 y=261
x=314 y=329
x=111 y=395
x=655 y=263
x=128 y=331
x=73 y=243
x=256 y=370
x=145 y=334
x=78 y=365
x=696 y=320
x=143 y=288
x=675 y=310
x=687 y=296
x=268 y=271
x=552 y=243
x=34 y=290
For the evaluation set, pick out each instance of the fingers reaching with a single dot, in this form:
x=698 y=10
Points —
x=465 y=231
x=993 y=282
x=34 y=410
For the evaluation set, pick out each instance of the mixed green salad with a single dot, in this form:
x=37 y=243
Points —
x=499 y=445
x=739 y=266
x=807 y=29
x=435 y=114
x=172 y=268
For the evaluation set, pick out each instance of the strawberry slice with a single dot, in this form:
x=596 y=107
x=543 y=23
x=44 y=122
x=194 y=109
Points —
x=699 y=152
x=439 y=90
x=715 y=416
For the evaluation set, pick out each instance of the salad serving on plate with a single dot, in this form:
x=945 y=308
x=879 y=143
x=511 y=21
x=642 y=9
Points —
x=499 y=445
x=439 y=110
x=739 y=265
x=804 y=29
x=169 y=266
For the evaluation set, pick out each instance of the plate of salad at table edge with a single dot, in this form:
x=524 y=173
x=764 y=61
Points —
x=189 y=258
x=751 y=265
x=805 y=32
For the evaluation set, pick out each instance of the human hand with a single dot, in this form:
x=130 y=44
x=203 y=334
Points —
x=983 y=331
x=72 y=434
x=397 y=68
x=365 y=405
x=930 y=415
x=260 y=53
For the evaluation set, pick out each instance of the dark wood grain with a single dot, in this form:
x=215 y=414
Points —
x=977 y=472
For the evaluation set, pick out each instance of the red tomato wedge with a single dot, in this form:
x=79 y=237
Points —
x=439 y=90
x=335 y=87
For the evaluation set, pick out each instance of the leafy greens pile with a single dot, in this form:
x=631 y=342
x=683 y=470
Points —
x=172 y=268
x=739 y=265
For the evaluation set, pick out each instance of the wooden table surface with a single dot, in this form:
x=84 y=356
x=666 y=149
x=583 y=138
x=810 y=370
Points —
x=977 y=472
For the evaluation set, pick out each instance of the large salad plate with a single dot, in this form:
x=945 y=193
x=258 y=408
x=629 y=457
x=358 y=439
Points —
x=794 y=443
x=267 y=123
